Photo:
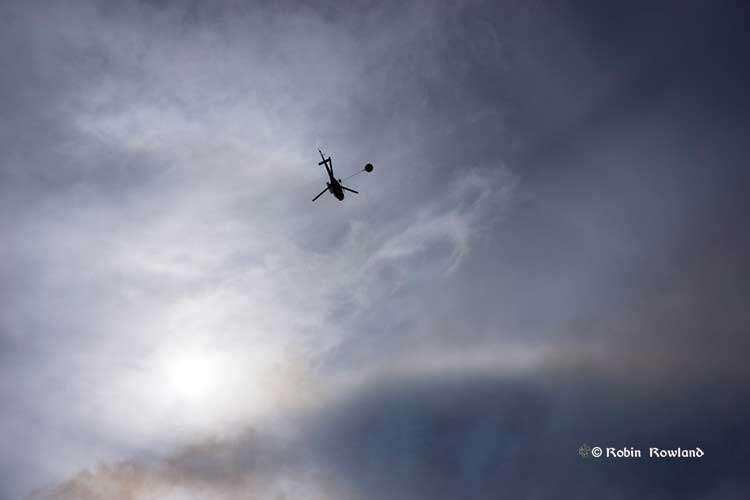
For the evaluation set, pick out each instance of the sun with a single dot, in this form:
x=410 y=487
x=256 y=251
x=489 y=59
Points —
x=192 y=375
x=204 y=384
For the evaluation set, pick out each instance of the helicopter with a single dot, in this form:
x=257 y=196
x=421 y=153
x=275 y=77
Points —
x=334 y=185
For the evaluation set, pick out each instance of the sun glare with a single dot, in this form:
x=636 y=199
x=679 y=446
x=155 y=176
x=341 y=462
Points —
x=192 y=375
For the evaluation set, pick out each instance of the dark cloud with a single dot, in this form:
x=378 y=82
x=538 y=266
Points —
x=483 y=438
x=471 y=436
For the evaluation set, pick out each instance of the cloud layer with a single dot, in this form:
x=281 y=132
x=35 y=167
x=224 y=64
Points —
x=550 y=249
x=472 y=435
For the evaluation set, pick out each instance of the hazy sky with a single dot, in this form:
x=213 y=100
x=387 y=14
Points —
x=552 y=249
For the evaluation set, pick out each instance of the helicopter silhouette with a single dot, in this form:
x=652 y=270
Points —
x=334 y=185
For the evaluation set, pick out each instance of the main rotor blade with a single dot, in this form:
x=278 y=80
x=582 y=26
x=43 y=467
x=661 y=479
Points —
x=350 y=190
x=320 y=194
